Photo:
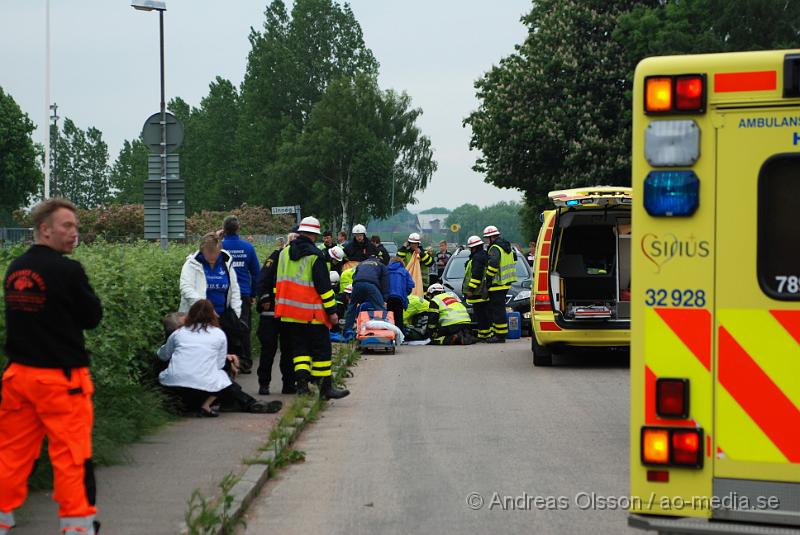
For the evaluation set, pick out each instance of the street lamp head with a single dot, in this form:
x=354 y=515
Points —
x=149 y=5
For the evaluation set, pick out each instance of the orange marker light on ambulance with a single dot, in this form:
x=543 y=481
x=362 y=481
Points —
x=655 y=446
x=658 y=94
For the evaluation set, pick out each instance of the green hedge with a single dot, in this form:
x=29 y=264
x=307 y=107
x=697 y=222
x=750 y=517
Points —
x=137 y=284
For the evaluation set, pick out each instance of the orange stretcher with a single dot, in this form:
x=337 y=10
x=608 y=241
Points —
x=375 y=339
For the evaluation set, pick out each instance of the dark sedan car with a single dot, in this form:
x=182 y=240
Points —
x=518 y=296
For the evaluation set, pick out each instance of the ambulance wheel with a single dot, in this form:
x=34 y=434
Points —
x=542 y=356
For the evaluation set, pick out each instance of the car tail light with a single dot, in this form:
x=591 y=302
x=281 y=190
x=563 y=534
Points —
x=655 y=446
x=672 y=446
x=541 y=303
x=686 y=450
x=672 y=398
x=658 y=95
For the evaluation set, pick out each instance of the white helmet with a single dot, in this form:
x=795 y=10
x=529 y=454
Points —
x=334 y=278
x=360 y=229
x=474 y=241
x=337 y=253
x=435 y=288
x=490 y=231
x=309 y=224
x=414 y=238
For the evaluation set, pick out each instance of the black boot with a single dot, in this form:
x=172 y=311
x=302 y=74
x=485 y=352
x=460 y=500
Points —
x=302 y=386
x=327 y=390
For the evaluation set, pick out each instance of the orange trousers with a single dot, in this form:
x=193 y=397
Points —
x=44 y=401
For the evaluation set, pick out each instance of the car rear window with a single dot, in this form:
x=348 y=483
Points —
x=778 y=230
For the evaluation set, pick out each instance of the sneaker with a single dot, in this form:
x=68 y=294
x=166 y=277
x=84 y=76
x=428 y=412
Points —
x=263 y=390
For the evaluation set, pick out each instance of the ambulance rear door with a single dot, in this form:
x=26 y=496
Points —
x=757 y=315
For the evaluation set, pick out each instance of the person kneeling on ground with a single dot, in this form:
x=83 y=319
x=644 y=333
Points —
x=400 y=286
x=370 y=285
x=197 y=359
x=454 y=324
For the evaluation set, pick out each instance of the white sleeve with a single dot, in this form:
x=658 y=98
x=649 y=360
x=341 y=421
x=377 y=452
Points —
x=236 y=295
x=188 y=290
x=222 y=349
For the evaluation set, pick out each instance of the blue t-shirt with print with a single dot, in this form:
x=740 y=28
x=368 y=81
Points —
x=217 y=283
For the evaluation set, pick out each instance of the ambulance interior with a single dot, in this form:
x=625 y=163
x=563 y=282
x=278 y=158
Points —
x=591 y=278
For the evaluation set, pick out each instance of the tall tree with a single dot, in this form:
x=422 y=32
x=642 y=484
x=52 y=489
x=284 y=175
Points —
x=358 y=144
x=20 y=174
x=704 y=26
x=82 y=166
x=208 y=154
x=291 y=62
x=129 y=173
x=554 y=114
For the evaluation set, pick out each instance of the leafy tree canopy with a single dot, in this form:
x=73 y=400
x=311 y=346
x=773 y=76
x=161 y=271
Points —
x=19 y=169
x=80 y=166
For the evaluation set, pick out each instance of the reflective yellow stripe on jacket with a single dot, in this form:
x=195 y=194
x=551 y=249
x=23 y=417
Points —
x=503 y=278
x=451 y=310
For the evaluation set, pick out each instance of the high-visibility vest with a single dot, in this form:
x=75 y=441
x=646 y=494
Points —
x=507 y=275
x=346 y=279
x=416 y=305
x=296 y=298
x=472 y=284
x=451 y=310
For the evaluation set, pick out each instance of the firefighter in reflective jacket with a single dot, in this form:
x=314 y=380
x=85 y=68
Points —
x=501 y=273
x=453 y=326
x=306 y=306
x=47 y=389
x=475 y=289
x=407 y=251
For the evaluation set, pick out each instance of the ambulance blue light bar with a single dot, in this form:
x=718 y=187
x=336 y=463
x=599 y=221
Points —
x=671 y=193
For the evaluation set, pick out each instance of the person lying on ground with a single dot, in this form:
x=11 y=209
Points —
x=197 y=356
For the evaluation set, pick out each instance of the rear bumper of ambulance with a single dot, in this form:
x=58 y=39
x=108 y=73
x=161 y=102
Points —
x=684 y=525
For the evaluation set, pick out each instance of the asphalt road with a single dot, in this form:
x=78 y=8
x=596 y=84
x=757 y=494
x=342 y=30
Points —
x=461 y=440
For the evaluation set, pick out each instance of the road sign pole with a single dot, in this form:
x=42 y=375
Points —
x=163 y=225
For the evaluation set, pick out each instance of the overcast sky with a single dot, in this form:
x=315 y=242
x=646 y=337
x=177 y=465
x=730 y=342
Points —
x=104 y=65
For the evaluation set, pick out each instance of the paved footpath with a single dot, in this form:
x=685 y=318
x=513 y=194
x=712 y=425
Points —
x=425 y=429
x=150 y=493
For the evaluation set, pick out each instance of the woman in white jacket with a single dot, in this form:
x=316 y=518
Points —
x=208 y=274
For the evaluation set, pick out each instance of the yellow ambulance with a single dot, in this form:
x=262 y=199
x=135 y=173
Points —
x=582 y=272
x=715 y=337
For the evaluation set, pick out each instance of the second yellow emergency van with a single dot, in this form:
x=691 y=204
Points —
x=582 y=272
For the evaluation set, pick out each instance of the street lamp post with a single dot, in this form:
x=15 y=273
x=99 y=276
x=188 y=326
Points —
x=161 y=7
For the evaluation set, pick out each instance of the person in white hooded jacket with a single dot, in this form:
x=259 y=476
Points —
x=208 y=273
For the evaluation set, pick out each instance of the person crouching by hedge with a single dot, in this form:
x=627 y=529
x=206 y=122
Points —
x=197 y=356
x=208 y=273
